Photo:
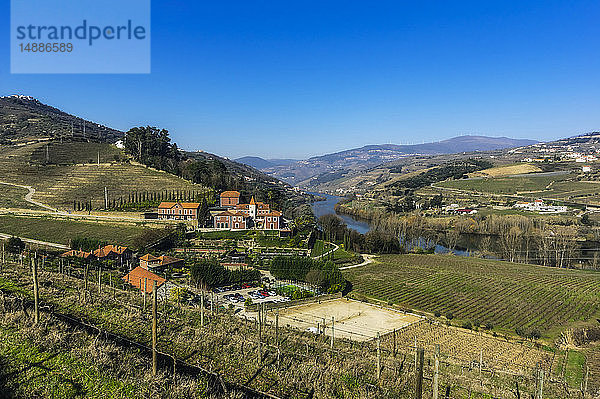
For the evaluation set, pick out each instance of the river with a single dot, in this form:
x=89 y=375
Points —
x=326 y=207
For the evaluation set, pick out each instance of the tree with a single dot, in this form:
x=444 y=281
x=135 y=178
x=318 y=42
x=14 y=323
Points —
x=15 y=245
x=152 y=147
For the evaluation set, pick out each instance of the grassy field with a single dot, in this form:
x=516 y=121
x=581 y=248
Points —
x=61 y=231
x=12 y=197
x=508 y=185
x=507 y=170
x=506 y=295
x=60 y=185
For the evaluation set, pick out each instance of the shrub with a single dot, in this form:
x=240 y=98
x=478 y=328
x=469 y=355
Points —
x=437 y=314
x=449 y=315
x=467 y=325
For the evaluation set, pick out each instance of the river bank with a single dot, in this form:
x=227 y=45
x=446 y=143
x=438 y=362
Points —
x=328 y=206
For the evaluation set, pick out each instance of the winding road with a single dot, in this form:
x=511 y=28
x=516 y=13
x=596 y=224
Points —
x=29 y=196
x=368 y=259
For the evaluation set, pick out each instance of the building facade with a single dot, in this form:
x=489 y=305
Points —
x=246 y=216
x=178 y=210
x=229 y=198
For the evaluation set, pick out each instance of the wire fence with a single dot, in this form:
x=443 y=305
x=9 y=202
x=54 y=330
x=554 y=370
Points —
x=261 y=352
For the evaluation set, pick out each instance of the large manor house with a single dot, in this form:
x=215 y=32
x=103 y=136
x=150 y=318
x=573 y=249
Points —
x=236 y=216
x=230 y=214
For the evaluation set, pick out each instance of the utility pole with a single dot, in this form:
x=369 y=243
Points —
x=394 y=350
x=99 y=161
x=154 y=322
x=36 y=292
x=105 y=197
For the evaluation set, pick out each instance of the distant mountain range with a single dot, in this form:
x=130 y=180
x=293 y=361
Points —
x=260 y=163
x=301 y=172
x=24 y=117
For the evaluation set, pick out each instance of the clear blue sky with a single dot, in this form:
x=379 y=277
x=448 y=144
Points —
x=294 y=79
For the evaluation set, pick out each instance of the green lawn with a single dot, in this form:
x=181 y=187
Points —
x=62 y=230
x=507 y=295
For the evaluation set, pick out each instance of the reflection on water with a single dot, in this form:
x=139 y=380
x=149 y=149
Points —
x=326 y=207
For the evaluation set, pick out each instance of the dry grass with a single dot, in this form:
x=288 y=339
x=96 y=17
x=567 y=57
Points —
x=230 y=346
x=508 y=170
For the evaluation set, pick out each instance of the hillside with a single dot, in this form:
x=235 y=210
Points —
x=260 y=163
x=500 y=294
x=76 y=175
x=25 y=118
x=332 y=166
x=45 y=148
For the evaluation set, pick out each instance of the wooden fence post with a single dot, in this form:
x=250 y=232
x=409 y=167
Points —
x=436 y=371
x=540 y=387
x=419 y=374
x=36 y=292
x=202 y=310
x=260 y=308
x=394 y=350
x=154 y=326
x=277 y=334
x=332 y=330
x=378 y=357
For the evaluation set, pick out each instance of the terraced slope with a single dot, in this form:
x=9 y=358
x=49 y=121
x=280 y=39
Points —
x=507 y=295
x=60 y=185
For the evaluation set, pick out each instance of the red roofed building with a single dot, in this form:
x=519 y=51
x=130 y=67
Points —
x=244 y=216
x=150 y=262
x=179 y=210
x=113 y=252
x=269 y=221
x=229 y=198
x=233 y=220
x=78 y=254
x=143 y=279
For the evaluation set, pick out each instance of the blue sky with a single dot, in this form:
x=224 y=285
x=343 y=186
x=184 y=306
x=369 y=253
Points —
x=296 y=79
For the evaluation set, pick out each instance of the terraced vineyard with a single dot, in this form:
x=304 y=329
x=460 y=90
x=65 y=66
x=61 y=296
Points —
x=505 y=295
x=495 y=352
x=542 y=183
x=60 y=185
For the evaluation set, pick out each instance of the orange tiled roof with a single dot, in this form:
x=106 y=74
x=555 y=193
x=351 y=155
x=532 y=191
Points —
x=232 y=213
x=149 y=258
x=166 y=260
x=188 y=205
x=76 y=253
x=102 y=252
x=230 y=194
x=272 y=213
x=139 y=275
x=185 y=205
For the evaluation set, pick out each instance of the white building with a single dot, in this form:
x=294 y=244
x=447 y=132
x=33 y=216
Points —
x=539 y=206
